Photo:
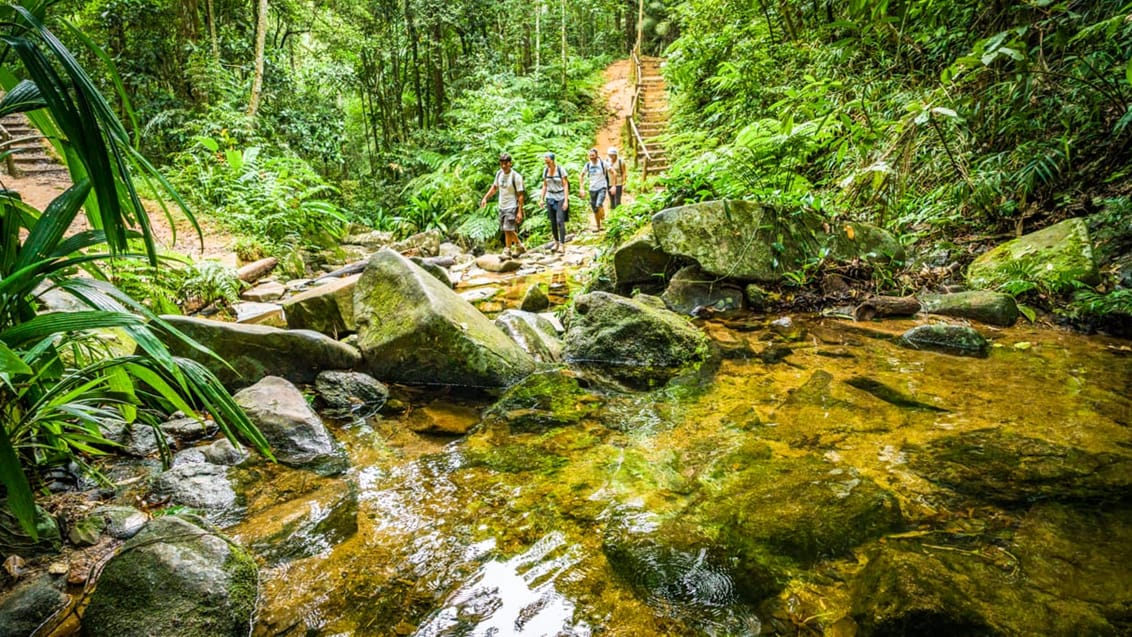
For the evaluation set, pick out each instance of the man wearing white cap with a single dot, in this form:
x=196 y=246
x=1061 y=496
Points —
x=617 y=175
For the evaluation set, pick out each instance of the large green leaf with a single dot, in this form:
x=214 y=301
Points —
x=20 y=500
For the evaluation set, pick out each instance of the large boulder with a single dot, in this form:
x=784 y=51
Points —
x=753 y=241
x=328 y=308
x=640 y=262
x=294 y=431
x=1006 y=467
x=992 y=308
x=255 y=351
x=175 y=577
x=413 y=329
x=632 y=340
x=1052 y=258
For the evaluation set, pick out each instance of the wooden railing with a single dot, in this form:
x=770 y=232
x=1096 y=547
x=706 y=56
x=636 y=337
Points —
x=633 y=132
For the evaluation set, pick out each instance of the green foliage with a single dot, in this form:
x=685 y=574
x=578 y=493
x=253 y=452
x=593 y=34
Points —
x=208 y=282
x=55 y=388
x=1087 y=302
x=277 y=199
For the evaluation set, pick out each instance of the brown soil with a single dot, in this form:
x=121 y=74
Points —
x=177 y=235
x=618 y=94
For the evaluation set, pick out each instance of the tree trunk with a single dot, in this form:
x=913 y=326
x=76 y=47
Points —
x=563 y=2
x=212 y=31
x=260 y=44
x=411 y=31
x=538 y=38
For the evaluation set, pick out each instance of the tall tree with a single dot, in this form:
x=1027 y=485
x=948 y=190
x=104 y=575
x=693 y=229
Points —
x=260 y=44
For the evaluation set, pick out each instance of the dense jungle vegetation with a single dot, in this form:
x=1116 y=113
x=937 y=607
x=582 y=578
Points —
x=287 y=121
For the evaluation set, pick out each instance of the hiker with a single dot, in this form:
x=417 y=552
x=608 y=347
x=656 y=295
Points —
x=556 y=197
x=597 y=173
x=509 y=183
x=617 y=177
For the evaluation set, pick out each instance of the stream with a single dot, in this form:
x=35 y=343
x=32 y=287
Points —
x=760 y=495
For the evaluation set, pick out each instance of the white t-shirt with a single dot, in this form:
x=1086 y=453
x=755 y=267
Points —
x=509 y=185
x=595 y=172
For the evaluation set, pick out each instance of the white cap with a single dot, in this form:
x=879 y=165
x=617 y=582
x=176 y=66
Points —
x=612 y=150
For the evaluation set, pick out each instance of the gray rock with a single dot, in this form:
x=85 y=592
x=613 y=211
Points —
x=122 y=522
x=533 y=333
x=992 y=308
x=414 y=330
x=328 y=308
x=692 y=288
x=223 y=452
x=192 y=455
x=350 y=394
x=294 y=431
x=496 y=263
x=175 y=577
x=631 y=340
x=29 y=605
x=958 y=340
x=255 y=351
x=265 y=292
x=374 y=240
x=1052 y=258
x=435 y=270
x=200 y=486
x=189 y=429
x=535 y=300
x=423 y=244
x=85 y=532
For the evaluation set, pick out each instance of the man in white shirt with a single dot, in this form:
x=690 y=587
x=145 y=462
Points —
x=509 y=184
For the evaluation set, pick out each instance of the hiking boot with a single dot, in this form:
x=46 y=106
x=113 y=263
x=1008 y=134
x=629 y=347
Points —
x=519 y=251
x=506 y=253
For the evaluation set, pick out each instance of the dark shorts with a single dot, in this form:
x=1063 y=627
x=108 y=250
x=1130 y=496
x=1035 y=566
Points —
x=615 y=196
x=597 y=198
x=507 y=219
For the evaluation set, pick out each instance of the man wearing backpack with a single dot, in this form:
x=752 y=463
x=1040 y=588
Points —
x=617 y=176
x=510 y=186
x=556 y=197
x=597 y=173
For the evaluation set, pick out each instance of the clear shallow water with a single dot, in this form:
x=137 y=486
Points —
x=500 y=533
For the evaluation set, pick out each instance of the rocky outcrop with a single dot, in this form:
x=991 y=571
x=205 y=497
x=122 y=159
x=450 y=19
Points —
x=640 y=262
x=175 y=577
x=414 y=330
x=992 y=308
x=1052 y=258
x=328 y=308
x=294 y=431
x=632 y=340
x=255 y=351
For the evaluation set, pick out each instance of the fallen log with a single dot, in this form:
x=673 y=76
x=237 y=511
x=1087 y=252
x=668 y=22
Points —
x=256 y=270
x=885 y=306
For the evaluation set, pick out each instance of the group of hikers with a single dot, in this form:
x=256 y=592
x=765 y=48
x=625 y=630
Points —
x=605 y=179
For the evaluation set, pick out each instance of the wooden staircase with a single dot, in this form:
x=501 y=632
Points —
x=649 y=118
x=29 y=157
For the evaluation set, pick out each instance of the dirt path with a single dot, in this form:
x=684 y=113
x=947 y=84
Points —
x=618 y=94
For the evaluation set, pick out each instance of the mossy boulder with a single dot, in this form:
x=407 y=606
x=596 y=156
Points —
x=992 y=308
x=413 y=329
x=759 y=242
x=15 y=541
x=640 y=262
x=26 y=607
x=632 y=341
x=1052 y=258
x=957 y=340
x=175 y=577
x=1007 y=467
x=255 y=351
x=552 y=398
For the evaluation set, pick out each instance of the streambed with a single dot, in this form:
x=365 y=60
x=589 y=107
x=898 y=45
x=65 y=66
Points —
x=843 y=485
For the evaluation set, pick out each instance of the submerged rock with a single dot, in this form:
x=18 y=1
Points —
x=1053 y=258
x=958 y=340
x=992 y=308
x=542 y=400
x=414 y=330
x=692 y=288
x=1008 y=467
x=175 y=577
x=307 y=525
x=631 y=340
x=350 y=394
